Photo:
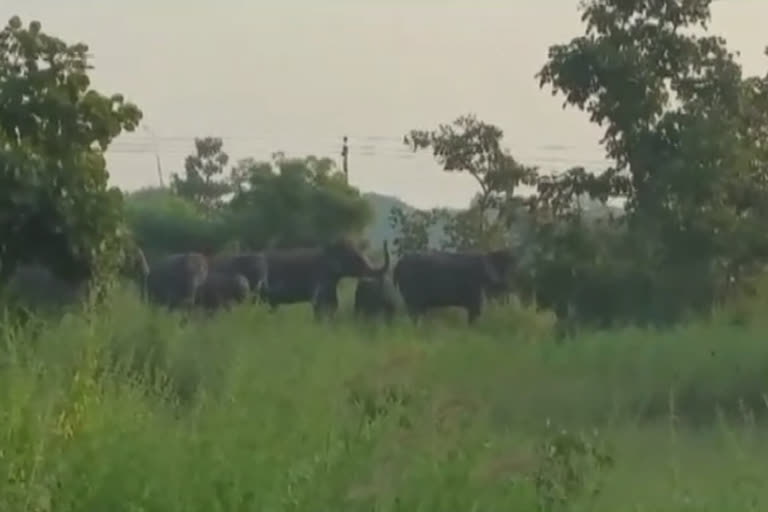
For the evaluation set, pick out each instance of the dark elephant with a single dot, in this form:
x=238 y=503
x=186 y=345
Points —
x=506 y=265
x=374 y=297
x=434 y=279
x=174 y=280
x=222 y=289
x=34 y=285
x=251 y=265
x=312 y=274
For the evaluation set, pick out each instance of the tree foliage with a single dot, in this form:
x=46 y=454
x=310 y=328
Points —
x=282 y=202
x=413 y=227
x=686 y=134
x=295 y=201
x=688 y=138
x=474 y=147
x=202 y=182
x=55 y=205
x=165 y=223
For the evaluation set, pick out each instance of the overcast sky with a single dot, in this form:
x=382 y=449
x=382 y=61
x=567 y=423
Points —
x=296 y=76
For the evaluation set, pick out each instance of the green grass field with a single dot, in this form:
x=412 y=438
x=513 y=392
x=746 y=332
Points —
x=127 y=409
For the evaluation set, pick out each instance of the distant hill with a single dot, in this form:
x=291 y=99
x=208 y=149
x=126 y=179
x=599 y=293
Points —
x=380 y=228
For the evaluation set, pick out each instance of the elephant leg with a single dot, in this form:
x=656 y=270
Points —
x=322 y=309
x=389 y=315
x=317 y=301
x=270 y=301
x=188 y=296
x=326 y=308
x=565 y=326
x=474 y=307
x=415 y=313
x=260 y=295
x=357 y=310
x=333 y=307
x=325 y=300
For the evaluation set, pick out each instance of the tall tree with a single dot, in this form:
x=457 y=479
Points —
x=685 y=133
x=55 y=205
x=202 y=182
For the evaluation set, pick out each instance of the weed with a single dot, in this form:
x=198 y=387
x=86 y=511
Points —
x=570 y=466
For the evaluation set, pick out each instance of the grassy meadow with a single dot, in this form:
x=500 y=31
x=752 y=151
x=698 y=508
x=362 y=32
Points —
x=132 y=409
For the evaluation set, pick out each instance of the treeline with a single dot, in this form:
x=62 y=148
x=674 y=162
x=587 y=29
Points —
x=688 y=137
x=286 y=202
x=687 y=134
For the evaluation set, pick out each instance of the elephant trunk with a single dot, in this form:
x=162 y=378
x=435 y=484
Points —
x=143 y=288
x=379 y=272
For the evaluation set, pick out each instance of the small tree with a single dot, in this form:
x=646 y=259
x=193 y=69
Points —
x=55 y=205
x=474 y=147
x=295 y=201
x=200 y=183
x=413 y=228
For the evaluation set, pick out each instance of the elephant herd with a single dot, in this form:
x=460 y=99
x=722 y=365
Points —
x=424 y=279
x=274 y=276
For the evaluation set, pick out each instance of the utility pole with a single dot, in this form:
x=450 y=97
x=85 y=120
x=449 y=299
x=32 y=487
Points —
x=157 y=155
x=159 y=169
x=345 y=159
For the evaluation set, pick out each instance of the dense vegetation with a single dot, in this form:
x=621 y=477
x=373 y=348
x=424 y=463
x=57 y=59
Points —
x=128 y=407
x=251 y=410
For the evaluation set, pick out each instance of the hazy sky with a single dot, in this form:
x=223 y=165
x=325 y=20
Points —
x=297 y=75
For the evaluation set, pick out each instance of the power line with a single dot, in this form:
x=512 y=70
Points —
x=548 y=157
x=267 y=136
x=542 y=165
x=253 y=137
x=186 y=146
x=367 y=152
x=524 y=158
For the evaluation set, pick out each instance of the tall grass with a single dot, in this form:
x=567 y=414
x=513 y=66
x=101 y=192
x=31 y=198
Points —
x=130 y=408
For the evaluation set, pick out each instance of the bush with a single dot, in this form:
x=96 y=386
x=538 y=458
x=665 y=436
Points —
x=165 y=223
